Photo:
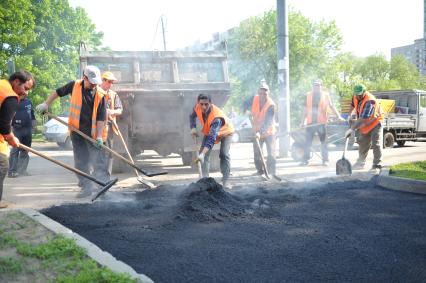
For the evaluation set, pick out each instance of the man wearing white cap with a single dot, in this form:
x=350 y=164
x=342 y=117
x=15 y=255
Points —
x=114 y=108
x=88 y=114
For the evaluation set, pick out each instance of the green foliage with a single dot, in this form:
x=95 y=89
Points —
x=59 y=247
x=43 y=36
x=413 y=170
x=10 y=265
x=253 y=54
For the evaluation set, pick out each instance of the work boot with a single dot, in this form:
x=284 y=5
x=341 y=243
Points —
x=325 y=163
x=304 y=163
x=225 y=185
x=3 y=204
x=12 y=175
x=84 y=193
x=258 y=173
x=377 y=166
x=358 y=166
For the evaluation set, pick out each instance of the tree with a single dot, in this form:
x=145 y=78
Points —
x=50 y=51
x=253 y=54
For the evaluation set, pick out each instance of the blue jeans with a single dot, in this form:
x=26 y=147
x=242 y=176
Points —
x=224 y=156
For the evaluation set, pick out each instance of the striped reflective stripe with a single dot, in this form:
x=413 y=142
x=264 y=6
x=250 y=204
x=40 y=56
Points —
x=75 y=106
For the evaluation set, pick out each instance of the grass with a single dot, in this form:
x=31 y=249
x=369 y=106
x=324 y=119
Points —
x=57 y=259
x=412 y=170
x=38 y=137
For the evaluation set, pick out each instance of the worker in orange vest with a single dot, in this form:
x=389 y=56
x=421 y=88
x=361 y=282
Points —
x=18 y=85
x=263 y=111
x=87 y=114
x=114 y=108
x=217 y=128
x=315 y=119
x=368 y=116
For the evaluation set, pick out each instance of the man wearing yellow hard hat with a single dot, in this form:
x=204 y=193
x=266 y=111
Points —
x=114 y=108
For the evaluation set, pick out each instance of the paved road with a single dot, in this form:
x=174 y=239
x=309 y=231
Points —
x=50 y=184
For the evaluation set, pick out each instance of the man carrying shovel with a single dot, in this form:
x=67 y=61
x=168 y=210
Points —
x=114 y=108
x=263 y=111
x=87 y=114
x=315 y=119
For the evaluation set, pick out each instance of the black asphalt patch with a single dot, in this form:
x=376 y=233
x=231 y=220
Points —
x=347 y=231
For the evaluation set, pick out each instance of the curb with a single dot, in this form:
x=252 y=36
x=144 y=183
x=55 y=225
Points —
x=93 y=251
x=400 y=184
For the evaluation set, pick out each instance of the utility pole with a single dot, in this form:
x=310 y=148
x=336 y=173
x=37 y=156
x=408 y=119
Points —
x=283 y=78
x=164 y=32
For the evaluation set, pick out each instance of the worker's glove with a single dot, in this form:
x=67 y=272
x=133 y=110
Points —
x=257 y=135
x=42 y=108
x=194 y=132
x=98 y=143
x=348 y=133
x=200 y=158
x=11 y=140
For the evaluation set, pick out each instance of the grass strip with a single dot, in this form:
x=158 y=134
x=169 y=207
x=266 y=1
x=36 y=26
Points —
x=411 y=170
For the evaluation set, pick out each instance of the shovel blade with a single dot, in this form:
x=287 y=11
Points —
x=105 y=188
x=343 y=167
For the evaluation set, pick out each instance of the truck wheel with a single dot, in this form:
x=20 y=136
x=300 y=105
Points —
x=297 y=151
x=400 y=143
x=388 y=140
x=214 y=161
x=186 y=158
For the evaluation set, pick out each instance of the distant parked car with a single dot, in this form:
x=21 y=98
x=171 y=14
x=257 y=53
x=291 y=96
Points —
x=57 y=132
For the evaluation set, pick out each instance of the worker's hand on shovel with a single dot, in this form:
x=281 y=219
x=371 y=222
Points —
x=199 y=158
x=194 y=132
x=257 y=136
x=348 y=133
x=42 y=108
x=98 y=143
x=11 y=140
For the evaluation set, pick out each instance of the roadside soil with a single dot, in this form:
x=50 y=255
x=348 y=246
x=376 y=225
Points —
x=322 y=230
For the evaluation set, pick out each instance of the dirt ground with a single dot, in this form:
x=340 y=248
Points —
x=324 y=230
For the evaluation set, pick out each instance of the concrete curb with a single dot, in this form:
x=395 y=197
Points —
x=400 y=184
x=98 y=255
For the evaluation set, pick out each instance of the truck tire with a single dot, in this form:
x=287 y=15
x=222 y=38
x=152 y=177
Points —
x=186 y=158
x=388 y=140
x=297 y=151
x=400 y=143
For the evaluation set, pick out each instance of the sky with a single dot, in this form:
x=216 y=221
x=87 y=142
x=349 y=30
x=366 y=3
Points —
x=368 y=26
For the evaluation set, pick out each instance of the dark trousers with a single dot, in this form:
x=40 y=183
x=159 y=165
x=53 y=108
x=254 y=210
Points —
x=4 y=165
x=322 y=134
x=107 y=157
x=224 y=156
x=88 y=158
x=19 y=158
x=271 y=161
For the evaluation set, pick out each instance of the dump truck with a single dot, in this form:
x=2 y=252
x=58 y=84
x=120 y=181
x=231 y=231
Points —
x=159 y=90
x=405 y=115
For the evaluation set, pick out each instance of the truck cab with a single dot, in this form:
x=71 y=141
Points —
x=407 y=120
x=159 y=90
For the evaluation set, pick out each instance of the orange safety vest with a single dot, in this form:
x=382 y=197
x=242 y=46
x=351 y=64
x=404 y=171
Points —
x=75 y=109
x=322 y=117
x=260 y=114
x=227 y=127
x=374 y=119
x=110 y=94
x=5 y=92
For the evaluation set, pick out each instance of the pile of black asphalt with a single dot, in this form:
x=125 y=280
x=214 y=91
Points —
x=337 y=231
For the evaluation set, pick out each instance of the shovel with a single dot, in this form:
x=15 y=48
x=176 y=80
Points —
x=138 y=177
x=105 y=147
x=106 y=186
x=343 y=166
x=262 y=159
x=200 y=171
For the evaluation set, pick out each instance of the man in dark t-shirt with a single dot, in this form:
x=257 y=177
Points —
x=87 y=155
x=22 y=125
